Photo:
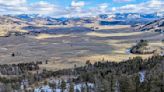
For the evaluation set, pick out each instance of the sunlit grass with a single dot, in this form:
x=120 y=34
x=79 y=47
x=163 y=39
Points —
x=45 y=36
x=113 y=34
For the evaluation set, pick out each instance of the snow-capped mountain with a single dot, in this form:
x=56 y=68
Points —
x=118 y=18
x=123 y=16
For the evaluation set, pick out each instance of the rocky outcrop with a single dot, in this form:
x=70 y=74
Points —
x=142 y=48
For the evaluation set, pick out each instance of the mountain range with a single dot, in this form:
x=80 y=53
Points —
x=124 y=18
x=142 y=21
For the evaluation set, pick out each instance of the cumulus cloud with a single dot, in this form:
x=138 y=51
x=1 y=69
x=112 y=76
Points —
x=77 y=3
x=12 y=6
x=42 y=7
x=22 y=7
x=78 y=11
x=150 y=6
x=76 y=8
x=103 y=6
x=12 y=2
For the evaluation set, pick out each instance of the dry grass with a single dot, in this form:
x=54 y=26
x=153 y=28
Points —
x=60 y=65
x=112 y=34
x=5 y=29
x=80 y=61
x=3 y=33
x=121 y=48
x=110 y=57
x=106 y=27
x=118 y=54
x=45 y=36
x=157 y=44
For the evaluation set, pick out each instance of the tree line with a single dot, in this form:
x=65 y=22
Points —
x=106 y=76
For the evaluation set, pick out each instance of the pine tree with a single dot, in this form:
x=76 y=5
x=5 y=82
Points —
x=53 y=86
x=71 y=88
x=63 y=85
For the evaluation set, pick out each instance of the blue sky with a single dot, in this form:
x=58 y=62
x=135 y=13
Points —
x=92 y=3
x=71 y=8
x=67 y=2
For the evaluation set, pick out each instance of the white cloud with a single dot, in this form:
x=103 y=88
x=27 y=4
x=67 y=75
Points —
x=21 y=7
x=12 y=6
x=103 y=7
x=76 y=8
x=42 y=8
x=146 y=7
x=12 y=2
x=92 y=11
x=77 y=3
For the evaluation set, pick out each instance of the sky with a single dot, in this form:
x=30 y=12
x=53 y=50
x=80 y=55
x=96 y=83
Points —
x=79 y=8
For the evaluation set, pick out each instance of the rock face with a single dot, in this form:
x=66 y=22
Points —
x=156 y=26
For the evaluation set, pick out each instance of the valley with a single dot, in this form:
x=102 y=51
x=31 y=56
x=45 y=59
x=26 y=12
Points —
x=81 y=46
x=86 y=57
x=64 y=47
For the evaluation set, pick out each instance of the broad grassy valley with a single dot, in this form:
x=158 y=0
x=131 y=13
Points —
x=73 y=45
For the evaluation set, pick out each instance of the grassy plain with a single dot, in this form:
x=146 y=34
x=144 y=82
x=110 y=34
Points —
x=63 y=50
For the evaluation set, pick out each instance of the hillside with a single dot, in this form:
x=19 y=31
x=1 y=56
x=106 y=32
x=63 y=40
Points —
x=133 y=75
x=8 y=20
x=156 y=26
x=11 y=24
x=143 y=48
